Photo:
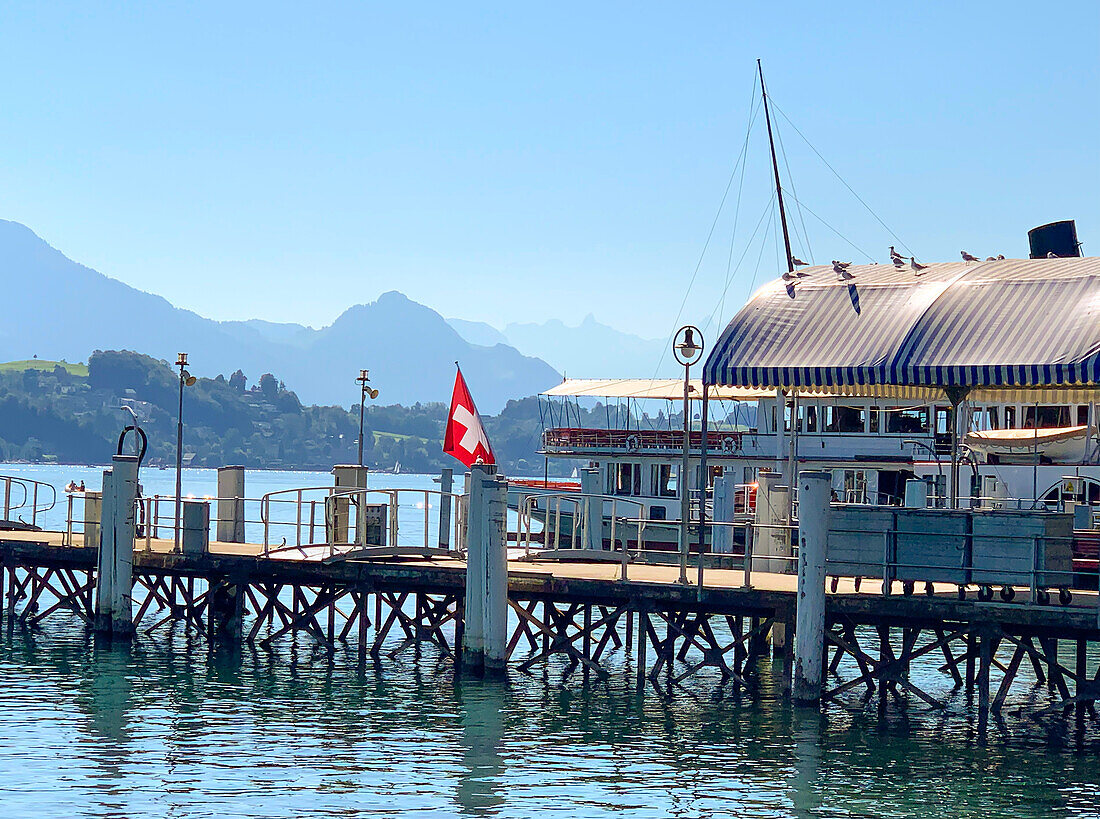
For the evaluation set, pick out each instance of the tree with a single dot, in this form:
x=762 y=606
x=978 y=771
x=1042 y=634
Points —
x=238 y=382
x=269 y=385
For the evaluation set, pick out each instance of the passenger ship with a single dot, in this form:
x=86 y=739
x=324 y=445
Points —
x=1012 y=455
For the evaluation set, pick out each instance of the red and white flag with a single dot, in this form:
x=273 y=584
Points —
x=465 y=438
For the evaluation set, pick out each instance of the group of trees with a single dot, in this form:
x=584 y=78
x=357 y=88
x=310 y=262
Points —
x=55 y=415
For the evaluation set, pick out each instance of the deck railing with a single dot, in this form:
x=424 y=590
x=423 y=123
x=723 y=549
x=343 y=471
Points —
x=25 y=496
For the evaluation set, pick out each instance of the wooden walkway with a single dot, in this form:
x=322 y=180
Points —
x=578 y=613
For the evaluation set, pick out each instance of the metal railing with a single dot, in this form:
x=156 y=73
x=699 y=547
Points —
x=344 y=511
x=589 y=511
x=31 y=500
x=300 y=518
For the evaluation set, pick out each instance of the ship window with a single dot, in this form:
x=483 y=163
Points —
x=908 y=421
x=855 y=486
x=1010 y=418
x=1049 y=417
x=849 y=419
x=811 y=419
x=1082 y=415
x=874 y=419
x=624 y=479
x=664 y=481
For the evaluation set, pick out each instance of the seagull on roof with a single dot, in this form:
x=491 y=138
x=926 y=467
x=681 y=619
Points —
x=968 y=257
x=898 y=262
x=894 y=254
x=917 y=266
x=1052 y=255
x=797 y=262
x=1000 y=257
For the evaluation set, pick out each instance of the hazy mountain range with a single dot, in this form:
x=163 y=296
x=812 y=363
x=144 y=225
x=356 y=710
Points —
x=56 y=309
x=589 y=350
x=59 y=309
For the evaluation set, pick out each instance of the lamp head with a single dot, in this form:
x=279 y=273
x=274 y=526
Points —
x=181 y=360
x=688 y=347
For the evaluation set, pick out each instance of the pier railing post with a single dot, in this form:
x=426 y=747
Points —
x=230 y=504
x=813 y=528
x=114 y=567
x=349 y=476
x=494 y=532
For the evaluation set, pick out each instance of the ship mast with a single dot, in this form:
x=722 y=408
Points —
x=775 y=169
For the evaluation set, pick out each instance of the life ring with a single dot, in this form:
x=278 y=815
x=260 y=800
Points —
x=730 y=444
x=632 y=443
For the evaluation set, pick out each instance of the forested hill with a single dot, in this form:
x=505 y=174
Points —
x=66 y=413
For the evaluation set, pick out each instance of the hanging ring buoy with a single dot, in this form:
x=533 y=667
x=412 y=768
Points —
x=728 y=444
x=632 y=443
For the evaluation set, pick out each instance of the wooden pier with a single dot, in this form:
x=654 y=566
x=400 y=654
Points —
x=582 y=614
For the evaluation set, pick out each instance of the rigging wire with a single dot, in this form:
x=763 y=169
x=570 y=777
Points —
x=835 y=173
x=706 y=244
x=768 y=211
x=837 y=232
x=805 y=238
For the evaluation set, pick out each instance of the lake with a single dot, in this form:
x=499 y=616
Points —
x=164 y=728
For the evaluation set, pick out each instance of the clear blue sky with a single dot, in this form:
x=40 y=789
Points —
x=523 y=161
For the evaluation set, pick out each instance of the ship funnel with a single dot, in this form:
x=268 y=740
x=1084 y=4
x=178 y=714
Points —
x=1059 y=238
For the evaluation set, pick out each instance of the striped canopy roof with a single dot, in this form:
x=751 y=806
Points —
x=995 y=328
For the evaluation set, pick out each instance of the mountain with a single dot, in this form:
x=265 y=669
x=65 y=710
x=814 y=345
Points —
x=478 y=332
x=589 y=350
x=59 y=309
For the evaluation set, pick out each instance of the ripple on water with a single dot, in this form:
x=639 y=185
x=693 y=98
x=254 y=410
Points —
x=159 y=729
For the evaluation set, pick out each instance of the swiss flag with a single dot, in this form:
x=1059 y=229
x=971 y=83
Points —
x=465 y=438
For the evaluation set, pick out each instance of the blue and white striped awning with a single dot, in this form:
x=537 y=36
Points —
x=1009 y=326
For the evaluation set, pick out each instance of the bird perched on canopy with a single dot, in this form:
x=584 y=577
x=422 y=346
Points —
x=917 y=266
x=968 y=257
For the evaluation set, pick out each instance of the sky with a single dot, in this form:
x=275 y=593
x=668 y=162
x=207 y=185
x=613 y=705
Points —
x=523 y=162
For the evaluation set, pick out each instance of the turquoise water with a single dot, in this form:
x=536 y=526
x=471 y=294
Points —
x=163 y=728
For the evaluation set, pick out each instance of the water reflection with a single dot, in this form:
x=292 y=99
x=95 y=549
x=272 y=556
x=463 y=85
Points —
x=481 y=705
x=166 y=728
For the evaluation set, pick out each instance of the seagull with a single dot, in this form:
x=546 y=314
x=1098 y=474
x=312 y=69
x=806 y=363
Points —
x=917 y=266
x=1052 y=255
x=991 y=258
x=841 y=264
x=1000 y=257
x=894 y=254
x=968 y=258
x=898 y=261
x=797 y=262
x=788 y=276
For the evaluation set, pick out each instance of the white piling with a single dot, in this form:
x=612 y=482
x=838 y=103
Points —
x=446 y=482
x=813 y=529
x=114 y=567
x=723 y=512
x=495 y=534
x=349 y=476
x=477 y=520
x=593 y=509
x=231 y=504
x=771 y=545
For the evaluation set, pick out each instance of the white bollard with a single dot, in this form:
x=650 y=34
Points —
x=723 y=512
x=477 y=520
x=813 y=530
x=114 y=567
x=230 y=504
x=495 y=534
x=592 y=509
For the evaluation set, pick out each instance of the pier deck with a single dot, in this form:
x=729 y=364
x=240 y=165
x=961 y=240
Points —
x=581 y=611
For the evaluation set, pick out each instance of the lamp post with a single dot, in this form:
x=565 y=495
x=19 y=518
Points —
x=186 y=379
x=363 y=380
x=687 y=347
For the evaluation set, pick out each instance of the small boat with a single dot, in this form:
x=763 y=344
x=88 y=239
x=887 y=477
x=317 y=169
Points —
x=1052 y=445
